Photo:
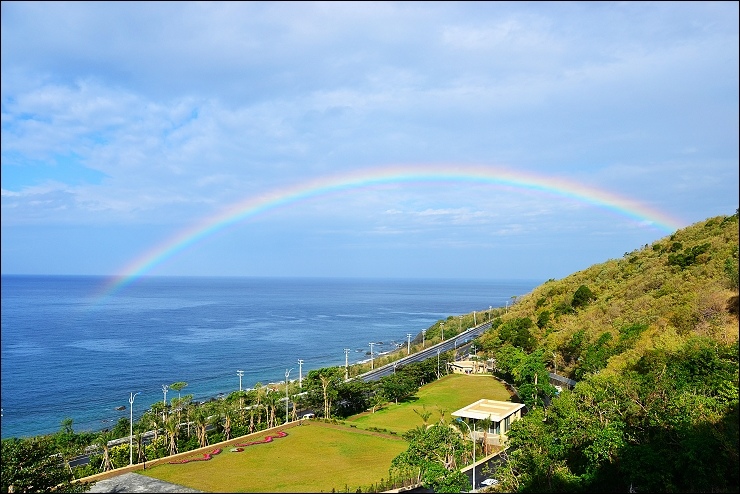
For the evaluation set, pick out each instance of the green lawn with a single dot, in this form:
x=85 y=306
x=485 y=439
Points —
x=320 y=457
x=450 y=393
x=314 y=457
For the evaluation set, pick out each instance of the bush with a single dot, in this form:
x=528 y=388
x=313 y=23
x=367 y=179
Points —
x=582 y=297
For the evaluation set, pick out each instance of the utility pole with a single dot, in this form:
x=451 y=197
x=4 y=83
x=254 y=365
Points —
x=475 y=323
x=442 y=325
x=346 y=364
x=240 y=373
x=132 y=397
x=423 y=337
x=164 y=390
x=300 y=373
x=408 y=347
x=287 y=373
x=372 y=365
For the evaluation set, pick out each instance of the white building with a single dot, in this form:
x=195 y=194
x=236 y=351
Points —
x=501 y=414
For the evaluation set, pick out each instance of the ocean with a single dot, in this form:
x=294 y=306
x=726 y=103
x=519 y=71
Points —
x=69 y=353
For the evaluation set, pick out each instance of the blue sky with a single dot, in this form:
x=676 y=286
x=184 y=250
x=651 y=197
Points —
x=126 y=124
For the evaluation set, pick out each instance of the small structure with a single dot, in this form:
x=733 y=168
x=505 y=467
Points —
x=501 y=414
x=561 y=382
x=470 y=367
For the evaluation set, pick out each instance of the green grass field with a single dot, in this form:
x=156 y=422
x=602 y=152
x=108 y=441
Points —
x=315 y=457
x=320 y=457
x=450 y=393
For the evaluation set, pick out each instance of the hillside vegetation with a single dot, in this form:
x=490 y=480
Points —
x=652 y=339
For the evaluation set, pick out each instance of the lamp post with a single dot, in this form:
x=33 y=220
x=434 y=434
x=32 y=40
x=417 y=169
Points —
x=423 y=338
x=240 y=373
x=437 y=363
x=490 y=309
x=287 y=373
x=346 y=364
x=442 y=326
x=300 y=374
x=472 y=435
x=408 y=347
x=131 y=398
x=164 y=408
x=372 y=365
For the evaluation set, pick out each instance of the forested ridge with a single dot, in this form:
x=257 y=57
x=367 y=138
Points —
x=652 y=339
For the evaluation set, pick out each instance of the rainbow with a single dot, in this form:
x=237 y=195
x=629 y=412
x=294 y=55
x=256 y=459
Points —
x=253 y=206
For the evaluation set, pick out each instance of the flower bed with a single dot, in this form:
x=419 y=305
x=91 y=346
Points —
x=205 y=457
x=238 y=448
x=267 y=439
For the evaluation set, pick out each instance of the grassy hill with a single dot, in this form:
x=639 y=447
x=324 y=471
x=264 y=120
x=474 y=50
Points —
x=652 y=339
x=680 y=286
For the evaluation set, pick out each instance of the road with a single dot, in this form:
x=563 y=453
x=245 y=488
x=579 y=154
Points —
x=457 y=342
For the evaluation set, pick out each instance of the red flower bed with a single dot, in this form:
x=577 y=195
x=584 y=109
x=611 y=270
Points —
x=205 y=457
x=237 y=449
x=267 y=439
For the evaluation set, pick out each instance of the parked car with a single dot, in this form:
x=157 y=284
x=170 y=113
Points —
x=489 y=482
x=308 y=416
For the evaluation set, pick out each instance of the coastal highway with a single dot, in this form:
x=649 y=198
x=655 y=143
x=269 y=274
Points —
x=458 y=342
x=444 y=346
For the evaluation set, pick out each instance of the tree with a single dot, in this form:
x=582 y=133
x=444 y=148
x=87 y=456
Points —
x=102 y=442
x=424 y=414
x=172 y=427
x=484 y=425
x=33 y=465
x=178 y=386
x=435 y=453
x=352 y=397
x=398 y=386
x=582 y=297
x=200 y=418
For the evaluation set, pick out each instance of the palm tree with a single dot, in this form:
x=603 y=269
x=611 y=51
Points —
x=271 y=401
x=485 y=424
x=155 y=422
x=200 y=418
x=140 y=451
x=225 y=410
x=424 y=414
x=172 y=427
x=178 y=386
x=102 y=441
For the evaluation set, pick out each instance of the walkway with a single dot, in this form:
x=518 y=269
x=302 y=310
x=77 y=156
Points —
x=133 y=482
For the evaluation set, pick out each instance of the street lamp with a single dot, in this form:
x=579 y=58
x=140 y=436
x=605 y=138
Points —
x=437 y=363
x=423 y=336
x=131 y=398
x=300 y=374
x=287 y=373
x=372 y=365
x=408 y=348
x=442 y=326
x=164 y=409
x=472 y=435
x=240 y=373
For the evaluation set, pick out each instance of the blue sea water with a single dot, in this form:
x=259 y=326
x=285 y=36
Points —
x=66 y=352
